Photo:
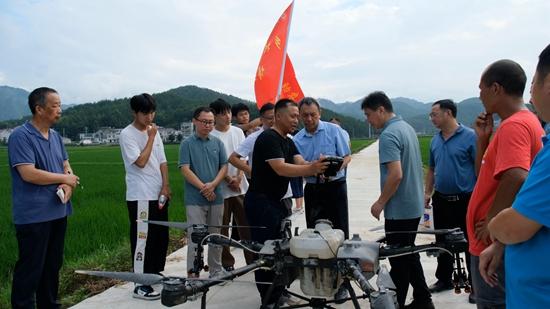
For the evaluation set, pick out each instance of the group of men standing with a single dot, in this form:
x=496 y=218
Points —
x=474 y=177
x=486 y=182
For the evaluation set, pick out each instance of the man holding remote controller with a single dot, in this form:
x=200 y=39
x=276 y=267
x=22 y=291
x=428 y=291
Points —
x=147 y=191
x=39 y=167
x=325 y=197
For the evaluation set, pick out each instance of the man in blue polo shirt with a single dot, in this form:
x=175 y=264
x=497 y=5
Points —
x=525 y=227
x=451 y=173
x=325 y=198
x=203 y=163
x=401 y=196
x=39 y=169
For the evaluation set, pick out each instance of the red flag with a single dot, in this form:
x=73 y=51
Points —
x=275 y=69
x=290 y=88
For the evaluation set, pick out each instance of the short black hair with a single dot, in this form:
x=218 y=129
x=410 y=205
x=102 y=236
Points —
x=239 y=107
x=266 y=107
x=543 y=67
x=309 y=101
x=447 y=104
x=201 y=109
x=38 y=97
x=220 y=106
x=376 y=99
x=283 y=104
x=144 y=103
x=507 y=73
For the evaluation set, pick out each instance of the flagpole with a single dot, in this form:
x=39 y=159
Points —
x=280 y=86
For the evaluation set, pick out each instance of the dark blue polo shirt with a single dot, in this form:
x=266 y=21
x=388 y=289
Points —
x=453 y=161
x=36 y=203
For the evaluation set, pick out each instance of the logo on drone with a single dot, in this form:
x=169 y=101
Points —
x=142 y=235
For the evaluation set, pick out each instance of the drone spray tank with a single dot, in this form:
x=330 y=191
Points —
x=315 y=246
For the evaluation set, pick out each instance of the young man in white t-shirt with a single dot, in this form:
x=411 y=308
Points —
x=147 y=191
x=234 y=185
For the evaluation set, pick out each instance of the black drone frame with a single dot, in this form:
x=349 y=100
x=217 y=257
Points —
x=275 y=255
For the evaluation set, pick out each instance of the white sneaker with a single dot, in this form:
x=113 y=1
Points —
x=145 y=292
x=219 y=274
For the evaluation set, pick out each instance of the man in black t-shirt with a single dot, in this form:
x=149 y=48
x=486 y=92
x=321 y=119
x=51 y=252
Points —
x=275 y=160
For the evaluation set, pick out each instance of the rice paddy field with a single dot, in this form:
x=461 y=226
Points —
x=98 y=228
x=97 y=235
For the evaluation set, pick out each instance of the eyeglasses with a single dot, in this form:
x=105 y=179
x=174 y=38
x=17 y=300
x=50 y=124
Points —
x=205 y=122
x=432 y=115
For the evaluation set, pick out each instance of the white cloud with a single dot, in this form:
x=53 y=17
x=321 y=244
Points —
x=340 y=49
x=497 y=24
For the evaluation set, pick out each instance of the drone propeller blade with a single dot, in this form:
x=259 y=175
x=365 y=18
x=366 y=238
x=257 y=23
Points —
x=227 y=280
x=186 y=225
x=432 y=232
x=145 y=279
x=239 y=226
x=177 y=225
x=377 y=228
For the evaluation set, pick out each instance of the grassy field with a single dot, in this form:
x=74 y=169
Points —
x=425 y=149
x=97 y=235
x=98 y=229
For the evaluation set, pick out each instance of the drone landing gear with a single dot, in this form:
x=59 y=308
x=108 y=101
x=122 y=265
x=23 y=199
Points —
x=321 y=303
x=460 y=279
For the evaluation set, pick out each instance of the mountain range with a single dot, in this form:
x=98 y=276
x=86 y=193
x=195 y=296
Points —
x=177 y=105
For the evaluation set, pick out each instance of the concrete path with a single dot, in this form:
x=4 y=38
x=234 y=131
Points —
x=363 y=189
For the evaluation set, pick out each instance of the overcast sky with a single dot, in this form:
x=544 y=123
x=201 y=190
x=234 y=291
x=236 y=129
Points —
x=341 y=50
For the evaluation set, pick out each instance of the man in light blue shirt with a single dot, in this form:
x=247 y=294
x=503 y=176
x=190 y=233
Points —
x=325 y=198
x=401 y=196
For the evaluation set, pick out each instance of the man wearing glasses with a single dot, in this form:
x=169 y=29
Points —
x=203 y=164
x=451 y=173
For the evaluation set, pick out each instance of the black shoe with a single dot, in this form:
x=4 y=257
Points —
x=440 y=286
x=341 y=295
x=427 y=304
x=472 y=298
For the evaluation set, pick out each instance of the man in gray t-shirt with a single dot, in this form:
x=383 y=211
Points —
x=401 y=196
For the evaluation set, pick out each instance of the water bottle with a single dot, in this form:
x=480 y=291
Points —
x=427 y=219
x=162 y=200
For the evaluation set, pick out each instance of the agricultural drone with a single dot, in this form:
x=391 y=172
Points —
x=320 y=258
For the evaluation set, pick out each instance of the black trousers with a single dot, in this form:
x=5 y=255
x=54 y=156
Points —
x=449 y=212
x=263 y=211
x=327 y=201
x=36 y=273
x=407 y=268
x=156 y=245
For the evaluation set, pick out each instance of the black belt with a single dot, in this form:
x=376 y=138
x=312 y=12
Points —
x=453 y=197
x=336 y=181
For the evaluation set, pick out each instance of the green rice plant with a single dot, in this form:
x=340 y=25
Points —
x=98 y=227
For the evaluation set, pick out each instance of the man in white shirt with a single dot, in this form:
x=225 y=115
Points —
x=234 y=185
x=147 y=191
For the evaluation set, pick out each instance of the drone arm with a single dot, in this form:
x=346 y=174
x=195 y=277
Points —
x=223 y=240
x=356 y=273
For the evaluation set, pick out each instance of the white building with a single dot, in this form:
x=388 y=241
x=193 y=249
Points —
x=186 y=129
x=4 y=135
